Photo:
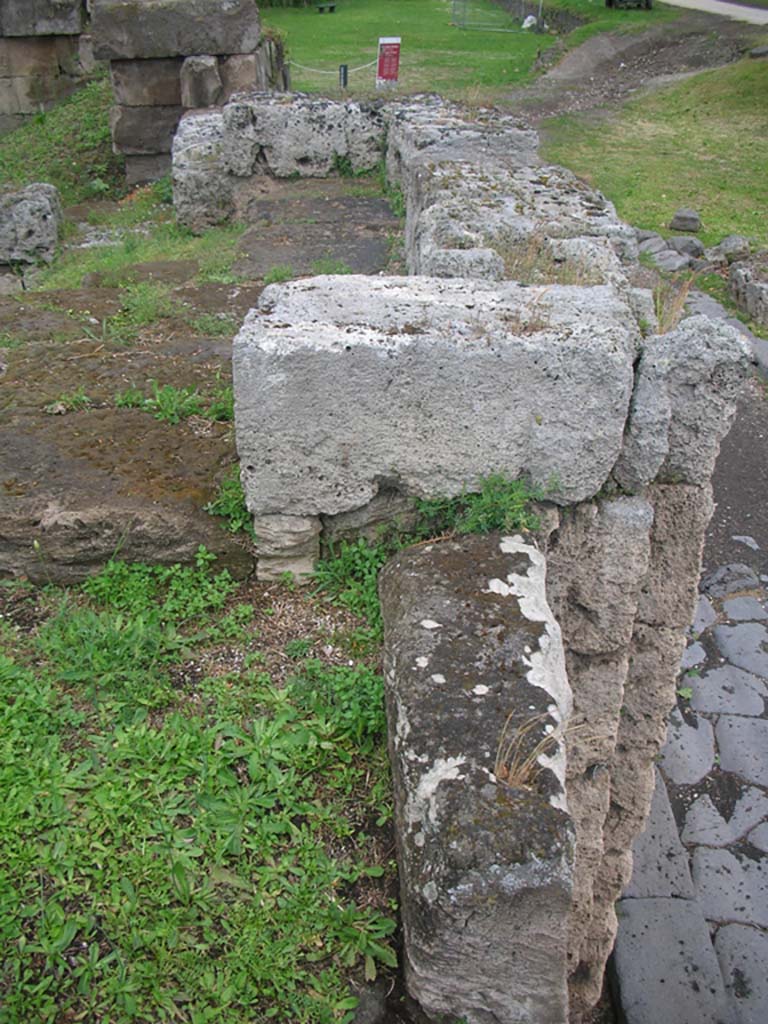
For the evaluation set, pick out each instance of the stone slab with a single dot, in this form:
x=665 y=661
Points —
x=666 y=968
x=173 y=28
x=146 y=83
x=743 y=744
x=728 y=690
x=730 y=888
x=745 y=609
x=484 y=843
x=200 y=82
x=744 y=645
x=693 y=655
x=21 y=57
x=660 y=864
x=41 y=17
x=141 y=169
x=743 y=956
x=706 y=826
x=759 y=837
x=144 y=131
x=689 y=752
x=729 y=579
x=343 y=384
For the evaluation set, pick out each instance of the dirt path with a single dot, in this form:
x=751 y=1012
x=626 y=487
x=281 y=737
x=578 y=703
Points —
x=608 y=68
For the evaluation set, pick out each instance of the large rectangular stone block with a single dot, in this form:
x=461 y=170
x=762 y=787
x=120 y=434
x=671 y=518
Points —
x=27 y=57
x=477 y=705
x=144 y=131
x=147 y=83
x=345 y=384
x=41 y=17
x=126 y=29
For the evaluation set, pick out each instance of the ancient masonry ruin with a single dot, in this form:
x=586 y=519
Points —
x=528 y=678
x=180 y=54
x=44 y=54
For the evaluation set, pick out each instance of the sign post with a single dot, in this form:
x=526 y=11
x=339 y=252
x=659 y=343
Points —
x=388 y=63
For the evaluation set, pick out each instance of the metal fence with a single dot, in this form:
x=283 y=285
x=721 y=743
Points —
x=479 y=15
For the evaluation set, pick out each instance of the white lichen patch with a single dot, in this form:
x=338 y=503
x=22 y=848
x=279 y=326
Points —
x=422 y=662
x=422 y=803
x=480 y=690
x=430 y=624
x=438 y=677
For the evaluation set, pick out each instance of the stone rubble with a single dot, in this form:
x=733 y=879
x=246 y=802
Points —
x=30 y=223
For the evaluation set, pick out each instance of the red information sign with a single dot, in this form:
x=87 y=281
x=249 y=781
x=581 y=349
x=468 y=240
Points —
x=388 y=63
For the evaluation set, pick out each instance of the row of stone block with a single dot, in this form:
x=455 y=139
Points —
x=42 y=17
x=37 y=71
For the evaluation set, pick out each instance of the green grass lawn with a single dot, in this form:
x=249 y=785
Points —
x=436 y=56
x=702 y=143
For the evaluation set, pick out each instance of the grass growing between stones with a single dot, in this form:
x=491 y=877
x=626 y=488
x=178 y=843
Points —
x=702 y=143
x=191 y=822
x=436 y=56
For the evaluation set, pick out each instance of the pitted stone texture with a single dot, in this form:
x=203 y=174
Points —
x=749 y=287
x=660 y=862
x=705 y=826
x=681 y=515
x=743 y=955
x=729 y=690
x=146 y=83
x=200 y=82
x=202 y=191
x=299 y=135
x=666 y=967
x=685 y=220
x=646 y=442
x=42 y=17
x=495 y=378
x=689 y=752
x=474 y=667
x=30 y=221
x=173 y=28
x=704 y=363
x=743 y=744
x=730 y=887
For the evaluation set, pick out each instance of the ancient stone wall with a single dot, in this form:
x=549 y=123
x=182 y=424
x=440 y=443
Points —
x=169 y=56
x=44 y=55
x=527 y=350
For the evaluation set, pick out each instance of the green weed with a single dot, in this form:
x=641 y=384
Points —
x=278 y=274
x=350 y=577
x=330 y=265
x=171 y=404
x=352 y=698
x=72 y=401
x=500 y=504
x=221 y=407
x=215 y=325
x=229 y=503
x=10 y=341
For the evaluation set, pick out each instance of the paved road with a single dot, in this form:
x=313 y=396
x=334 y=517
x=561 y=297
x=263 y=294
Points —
x=753 y=15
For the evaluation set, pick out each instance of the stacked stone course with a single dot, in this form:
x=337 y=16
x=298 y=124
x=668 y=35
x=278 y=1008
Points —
x=168 y=56
x=44 y=55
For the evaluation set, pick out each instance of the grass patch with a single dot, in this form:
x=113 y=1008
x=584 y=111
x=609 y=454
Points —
x=278 y=274
x=701 y=143
x=173 y=852
x=229 y=504
x=69 y=146
x=171 y=404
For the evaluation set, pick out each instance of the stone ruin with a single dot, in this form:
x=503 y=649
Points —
x=45 y=53
x=168 y=56
x=528 y=677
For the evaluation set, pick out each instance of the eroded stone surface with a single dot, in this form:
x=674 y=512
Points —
x=30 y=221
x=475 y=681
x=173 y=28
x=729 y=690
x=202 y=191
x=743 y=954
x=730 y=887
x=661 y=863
x=690 y=751
x=743 y=744
x=706 y=826
x=499 y=379
x=41 y=17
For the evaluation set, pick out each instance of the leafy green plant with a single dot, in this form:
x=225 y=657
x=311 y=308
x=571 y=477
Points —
x=278 y=274
x=352 y=698
x=350 y=577
x=298 y=648
x=72 y=401
x=215 y=325
x=221 y=408
x=130 y=398
x=229 y=503
x=172 y=405
x=10 y=341
x=500 y=504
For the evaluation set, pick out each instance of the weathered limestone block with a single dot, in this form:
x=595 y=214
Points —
x=286 y=544
x=147 y=83
x=202 y=190
x=296 y=134
x=748 y=283
x=143 y=131
x=25 y=57
x=173 y=28
x=42 y=17
x=345 y=384
x=30 y=221
x=200 y=82
x=475 y=683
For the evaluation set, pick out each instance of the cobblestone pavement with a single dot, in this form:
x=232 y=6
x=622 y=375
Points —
x=693 y=935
